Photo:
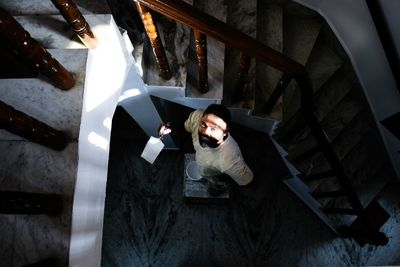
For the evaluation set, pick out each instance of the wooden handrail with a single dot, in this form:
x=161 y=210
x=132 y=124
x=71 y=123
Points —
x=196 y=19
x=74 y=17
x=21 y=124
x=28 y=48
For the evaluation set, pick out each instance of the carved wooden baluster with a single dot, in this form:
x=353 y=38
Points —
x=23 y=125
x=276 y=94
x=244 y=66
x=74 y=17
x=29 y=203
x=28 y=48
x=155 y=41
x=201 y=52
x=18 y=68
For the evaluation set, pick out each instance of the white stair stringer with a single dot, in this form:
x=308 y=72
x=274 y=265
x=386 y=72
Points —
x=106 y=71
x=302 y=190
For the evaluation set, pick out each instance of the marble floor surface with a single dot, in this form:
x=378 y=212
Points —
x=148 y=223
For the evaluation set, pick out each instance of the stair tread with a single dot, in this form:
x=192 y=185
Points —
x=241 y=15
x=270 y=33
x=33 y=95
x=347 y=111
x=40 y=7
x=53 y=32
x=299 y=37
x=325 y=100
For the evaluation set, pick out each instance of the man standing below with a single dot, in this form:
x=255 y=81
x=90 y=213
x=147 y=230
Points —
x=217 y=153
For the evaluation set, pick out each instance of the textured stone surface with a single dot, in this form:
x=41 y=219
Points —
x=52 y=31
x=270 y=33
x=32 y=96
x=215 y=56
x=29 y=7
x=242 y=16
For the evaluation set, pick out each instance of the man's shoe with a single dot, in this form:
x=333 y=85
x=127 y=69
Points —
x=216 y=190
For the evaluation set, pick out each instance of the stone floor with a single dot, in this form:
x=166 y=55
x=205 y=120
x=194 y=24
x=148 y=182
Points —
x=148 y=223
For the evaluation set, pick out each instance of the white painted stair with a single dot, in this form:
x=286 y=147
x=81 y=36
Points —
x=84 y=113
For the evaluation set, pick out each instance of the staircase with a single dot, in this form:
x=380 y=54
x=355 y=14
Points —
x=77 y=174
x=340 y=106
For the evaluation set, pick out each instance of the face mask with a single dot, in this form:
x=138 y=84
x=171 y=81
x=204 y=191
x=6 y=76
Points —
x=206 y=141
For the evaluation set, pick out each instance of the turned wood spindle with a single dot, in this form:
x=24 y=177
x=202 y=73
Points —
x=75 y=19
x=201 y=53
x=241 y=81
x=14 y=35
x=276 y=94
x=18 y=68
x=155 y=41
x=30 y=128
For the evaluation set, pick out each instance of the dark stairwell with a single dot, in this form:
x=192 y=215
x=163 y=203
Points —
x=273 y=229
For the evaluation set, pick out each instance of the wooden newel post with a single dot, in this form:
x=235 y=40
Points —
x=244 y=67
x=30 y=203
x=28 y=48
x=155 y=41
x=74 y=17
x=201 y=52
x=23 y=125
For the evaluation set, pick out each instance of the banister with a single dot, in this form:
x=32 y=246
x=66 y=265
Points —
x=186 y=14
x=196 y=19
x=78 y=23
x=14 y=35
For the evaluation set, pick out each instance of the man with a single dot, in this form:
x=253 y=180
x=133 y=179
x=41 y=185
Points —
x=217 y=153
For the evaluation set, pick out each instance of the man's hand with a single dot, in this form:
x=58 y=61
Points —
x=164 y=129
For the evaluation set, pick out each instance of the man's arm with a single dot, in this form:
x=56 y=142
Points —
x=240 y=173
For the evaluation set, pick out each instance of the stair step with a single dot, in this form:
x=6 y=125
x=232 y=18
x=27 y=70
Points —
x=52 y=31
x=318 y=176
x=306 y=154
x=329 y=194
x=84 y=112
x=33 y=96
x=346 y=113
x=270 y=33
x=325 y=100
x=300 y=35
x=29 y=167
x=322 y=63
x=340 y=211
x=215 y=55
x=40 y=7
x=242 y=16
